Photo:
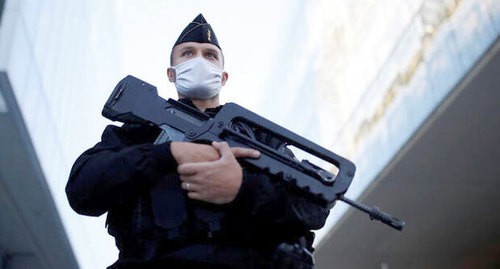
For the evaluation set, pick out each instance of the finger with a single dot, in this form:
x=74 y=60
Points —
x=190 y=186
x=223 y=148
x=239 y=152
x=194 y=178
x=195 y=196
x=190 y=168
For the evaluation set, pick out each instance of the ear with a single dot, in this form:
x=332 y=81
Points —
x=225 y=77
x=171 y=74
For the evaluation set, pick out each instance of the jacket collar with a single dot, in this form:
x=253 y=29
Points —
x=210 y=111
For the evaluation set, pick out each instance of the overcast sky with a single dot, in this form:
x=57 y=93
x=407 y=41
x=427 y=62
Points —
x=250 y=34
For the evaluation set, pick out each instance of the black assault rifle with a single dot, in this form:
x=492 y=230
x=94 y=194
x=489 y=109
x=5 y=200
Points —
x=135 y=101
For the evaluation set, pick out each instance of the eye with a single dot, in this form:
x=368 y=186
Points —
x=187 y=53
x=211 y=55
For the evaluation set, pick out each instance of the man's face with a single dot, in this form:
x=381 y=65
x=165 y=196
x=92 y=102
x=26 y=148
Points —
x=190 y=50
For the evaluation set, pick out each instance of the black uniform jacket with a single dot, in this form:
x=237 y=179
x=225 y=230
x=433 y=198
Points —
x=155 y=225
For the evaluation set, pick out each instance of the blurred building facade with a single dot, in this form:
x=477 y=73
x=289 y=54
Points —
x=409 y=91
x=48 y=52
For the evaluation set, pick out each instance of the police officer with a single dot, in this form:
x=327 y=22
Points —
x=186 y=205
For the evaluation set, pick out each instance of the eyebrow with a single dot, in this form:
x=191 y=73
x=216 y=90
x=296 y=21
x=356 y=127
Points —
x=203 y=49
x=214 y=51
x=186 y=48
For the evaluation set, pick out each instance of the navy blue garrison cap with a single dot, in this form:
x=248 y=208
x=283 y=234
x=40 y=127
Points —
x=198 y=31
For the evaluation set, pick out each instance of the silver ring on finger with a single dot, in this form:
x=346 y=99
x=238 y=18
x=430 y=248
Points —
x=187 y=186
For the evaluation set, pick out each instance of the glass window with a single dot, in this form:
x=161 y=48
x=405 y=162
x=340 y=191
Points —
x=2 y=2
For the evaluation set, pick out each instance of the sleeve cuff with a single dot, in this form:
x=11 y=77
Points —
x=255 y=189
x=162 y=153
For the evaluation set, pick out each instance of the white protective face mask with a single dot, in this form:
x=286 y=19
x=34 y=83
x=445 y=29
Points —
x=198 y=78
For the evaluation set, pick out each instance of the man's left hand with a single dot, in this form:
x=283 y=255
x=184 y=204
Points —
x=217 y=181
